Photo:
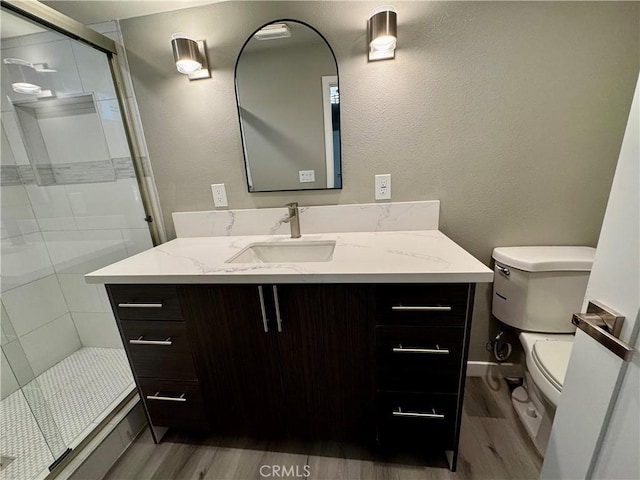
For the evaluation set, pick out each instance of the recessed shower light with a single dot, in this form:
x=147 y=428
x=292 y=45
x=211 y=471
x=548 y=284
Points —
x=28 y=88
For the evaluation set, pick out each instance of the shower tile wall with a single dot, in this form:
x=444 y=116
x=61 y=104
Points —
x=53 y=234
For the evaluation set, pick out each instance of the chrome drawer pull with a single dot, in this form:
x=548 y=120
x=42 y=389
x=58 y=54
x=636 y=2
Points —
x=141 y=341
x=263 y=309
x=400 y=413
x=432 y=351
x=277 y=304
x=140 y=305
x=157 y=396
x=426 y=308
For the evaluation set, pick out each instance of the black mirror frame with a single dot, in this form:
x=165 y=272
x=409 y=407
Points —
x=242 y=136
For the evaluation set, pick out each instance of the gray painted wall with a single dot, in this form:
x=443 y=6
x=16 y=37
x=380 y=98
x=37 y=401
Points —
x=510 y=113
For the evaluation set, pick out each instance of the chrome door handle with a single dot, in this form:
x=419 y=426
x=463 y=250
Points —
x=433 y=414
x=503 y=270
x=141 y=341
x=265 y=323
x=140 y=305
x=157 y=396
x=277 y=303
x=431 y=351
x=423 y=308
x=603 y=325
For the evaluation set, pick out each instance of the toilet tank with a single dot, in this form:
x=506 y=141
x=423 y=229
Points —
x=537 y=289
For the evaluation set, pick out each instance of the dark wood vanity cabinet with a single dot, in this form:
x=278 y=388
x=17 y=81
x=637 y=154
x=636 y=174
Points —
x=300 y=369
x=326 y=352
x=159 y=348
x=371 y=363
x=421 y=341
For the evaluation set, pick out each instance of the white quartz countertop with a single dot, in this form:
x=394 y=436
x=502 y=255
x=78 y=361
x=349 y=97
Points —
x=426 y=256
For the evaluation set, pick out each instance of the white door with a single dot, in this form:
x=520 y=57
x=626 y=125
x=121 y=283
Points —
x=596 y=432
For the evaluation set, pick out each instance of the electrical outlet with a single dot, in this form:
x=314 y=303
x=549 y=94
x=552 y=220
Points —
x=307 y=176
x=383 y=187
x=219 y=195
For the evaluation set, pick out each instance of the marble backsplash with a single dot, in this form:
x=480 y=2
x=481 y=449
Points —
x=366 y=217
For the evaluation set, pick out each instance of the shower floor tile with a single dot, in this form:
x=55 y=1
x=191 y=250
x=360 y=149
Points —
x=67 y=397
x=21 y=439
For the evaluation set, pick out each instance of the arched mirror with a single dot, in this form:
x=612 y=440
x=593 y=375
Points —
x=289 y=106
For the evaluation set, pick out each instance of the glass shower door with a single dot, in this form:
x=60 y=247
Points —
x=30 y=440
x=70 y=204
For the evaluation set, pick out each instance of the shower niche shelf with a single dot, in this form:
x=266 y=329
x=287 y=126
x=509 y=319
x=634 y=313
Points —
x=65 y=141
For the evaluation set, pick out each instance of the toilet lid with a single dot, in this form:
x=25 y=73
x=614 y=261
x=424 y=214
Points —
x=552 y=358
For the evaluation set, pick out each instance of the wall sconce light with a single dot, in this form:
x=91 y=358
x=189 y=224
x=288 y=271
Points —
x=382 y=33
x=190 y=56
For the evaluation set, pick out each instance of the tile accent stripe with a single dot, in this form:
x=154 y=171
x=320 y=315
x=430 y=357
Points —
x=44 y=175
x=9 y=175
x=85 y=172
x=123 y=167
x=27 y=175
x=68 y=173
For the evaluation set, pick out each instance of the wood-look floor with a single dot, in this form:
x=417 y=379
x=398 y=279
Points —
x=493 y=445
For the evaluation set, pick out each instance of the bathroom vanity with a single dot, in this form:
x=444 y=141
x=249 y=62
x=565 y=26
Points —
x=368 y=346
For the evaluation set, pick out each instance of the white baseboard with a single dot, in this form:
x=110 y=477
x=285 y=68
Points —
x=493 y=369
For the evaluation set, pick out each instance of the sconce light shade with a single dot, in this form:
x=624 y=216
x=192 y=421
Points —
x=190 y=56
x=382 y=33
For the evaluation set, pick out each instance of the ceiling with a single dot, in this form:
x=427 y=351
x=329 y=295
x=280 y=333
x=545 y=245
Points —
x=96 y=11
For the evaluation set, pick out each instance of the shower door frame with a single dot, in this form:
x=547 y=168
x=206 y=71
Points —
x=50 y=18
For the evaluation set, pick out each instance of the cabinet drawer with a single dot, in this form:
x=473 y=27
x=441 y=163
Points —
x=419 y=359
x=432 y=304
x=174 y=403
x=416 y=419
x=158 y=349
x=145 y=302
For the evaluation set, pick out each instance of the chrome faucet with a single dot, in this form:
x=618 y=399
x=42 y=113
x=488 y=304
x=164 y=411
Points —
x=293 y=219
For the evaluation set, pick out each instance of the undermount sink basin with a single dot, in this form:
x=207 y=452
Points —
x=285 y=252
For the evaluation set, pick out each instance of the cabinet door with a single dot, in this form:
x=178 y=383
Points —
x=327 y=357
x=236 y=360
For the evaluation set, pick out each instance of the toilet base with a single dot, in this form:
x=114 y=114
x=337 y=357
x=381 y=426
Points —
x=535 y=414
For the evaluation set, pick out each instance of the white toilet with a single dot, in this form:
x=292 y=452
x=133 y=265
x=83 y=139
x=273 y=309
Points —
x=536 y=290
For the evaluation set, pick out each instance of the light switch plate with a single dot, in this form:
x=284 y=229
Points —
x=219 y=195
x=383 y=187
x=307 y=176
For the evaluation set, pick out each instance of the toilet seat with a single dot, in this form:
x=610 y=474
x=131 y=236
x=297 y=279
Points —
x=547 y=357
x=552 y=358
